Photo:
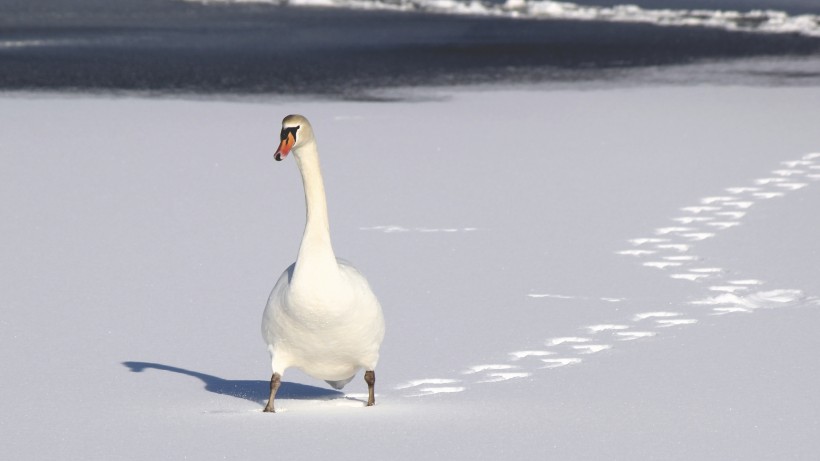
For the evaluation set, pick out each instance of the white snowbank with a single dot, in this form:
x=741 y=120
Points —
x=759 y=21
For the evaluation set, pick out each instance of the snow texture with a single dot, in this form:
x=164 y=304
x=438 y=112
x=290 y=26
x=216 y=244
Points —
x=499 y=229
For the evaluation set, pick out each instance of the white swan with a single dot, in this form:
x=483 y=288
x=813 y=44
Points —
x=322 y=316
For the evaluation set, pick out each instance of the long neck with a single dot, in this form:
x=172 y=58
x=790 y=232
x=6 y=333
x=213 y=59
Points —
x=316 y=256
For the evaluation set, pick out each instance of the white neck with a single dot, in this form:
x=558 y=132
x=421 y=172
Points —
x=316 y=259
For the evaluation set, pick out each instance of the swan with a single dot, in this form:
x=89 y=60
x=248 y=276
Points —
x=321 y=316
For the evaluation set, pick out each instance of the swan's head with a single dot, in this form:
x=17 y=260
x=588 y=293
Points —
x=296 y=132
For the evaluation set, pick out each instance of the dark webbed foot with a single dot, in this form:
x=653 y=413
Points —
x=275 y=381
x=370 y=379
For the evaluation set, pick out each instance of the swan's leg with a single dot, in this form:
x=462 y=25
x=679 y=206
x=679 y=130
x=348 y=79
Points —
x=275 y=381
x=370 y=379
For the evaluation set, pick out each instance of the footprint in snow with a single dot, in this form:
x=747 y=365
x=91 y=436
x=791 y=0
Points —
x=518 y=355
x=655 y=315
x=591 y=348
x=633 y=335
x=431 y=386
x=424 y=382
x=606 y=327
x=688 y=258
x=493 y=367
x=390 y=229
x=426 y=391
x=567 y=340
x=666 y=323
x=504 y=376
x=557 y=363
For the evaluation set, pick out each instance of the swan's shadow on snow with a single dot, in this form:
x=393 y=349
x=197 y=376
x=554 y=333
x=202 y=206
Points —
x=254 y=390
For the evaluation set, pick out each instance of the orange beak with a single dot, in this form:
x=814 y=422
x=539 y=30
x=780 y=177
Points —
x=284 y=147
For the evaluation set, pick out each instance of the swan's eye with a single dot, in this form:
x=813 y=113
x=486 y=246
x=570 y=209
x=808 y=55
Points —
x=289 y=131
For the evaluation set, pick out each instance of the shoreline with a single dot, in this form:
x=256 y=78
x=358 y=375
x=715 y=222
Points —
x=749 y=73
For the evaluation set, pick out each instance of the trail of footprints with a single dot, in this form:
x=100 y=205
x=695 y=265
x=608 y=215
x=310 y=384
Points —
x=393 y=229
x=668 y=249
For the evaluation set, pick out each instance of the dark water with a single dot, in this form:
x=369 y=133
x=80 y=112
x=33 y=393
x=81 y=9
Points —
x=168 y=46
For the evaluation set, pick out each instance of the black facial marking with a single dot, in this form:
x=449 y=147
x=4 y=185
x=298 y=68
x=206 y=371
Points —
x=286 y=131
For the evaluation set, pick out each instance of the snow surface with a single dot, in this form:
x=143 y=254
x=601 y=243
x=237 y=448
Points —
x=141 y=238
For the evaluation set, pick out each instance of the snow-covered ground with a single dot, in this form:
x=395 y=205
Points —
x=756 y=21
x=621 y=273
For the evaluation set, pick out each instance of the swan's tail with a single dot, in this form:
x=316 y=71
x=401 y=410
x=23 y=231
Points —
x=341 y=383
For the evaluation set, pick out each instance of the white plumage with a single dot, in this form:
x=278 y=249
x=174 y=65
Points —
x=322 y=316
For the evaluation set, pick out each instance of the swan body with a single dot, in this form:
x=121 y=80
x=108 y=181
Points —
x=321 y=316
